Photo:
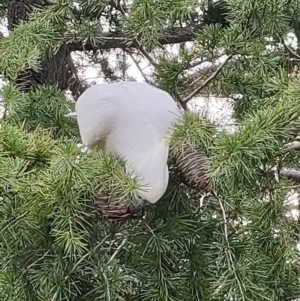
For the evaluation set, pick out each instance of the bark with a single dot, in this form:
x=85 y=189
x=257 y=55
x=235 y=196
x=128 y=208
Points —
x=295 y=145
x=291 y=173
x=216 y=13
x=174 y=35
x=58 y=70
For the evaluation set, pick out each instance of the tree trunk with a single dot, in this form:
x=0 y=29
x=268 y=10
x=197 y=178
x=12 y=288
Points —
x=58 y=70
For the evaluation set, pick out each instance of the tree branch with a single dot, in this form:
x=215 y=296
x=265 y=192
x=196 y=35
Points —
x=290 y=173
x=138 y=66
x=86 y=255
x=208 y=80
x=140 y=47
x=295 y=145
x=113 y=40
x=292 y=53
x=119 y=248
x=76 y=86
x=34 y=263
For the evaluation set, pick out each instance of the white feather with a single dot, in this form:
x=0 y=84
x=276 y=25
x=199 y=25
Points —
x=131 y=120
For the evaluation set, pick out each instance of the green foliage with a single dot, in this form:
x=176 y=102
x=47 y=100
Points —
x=27 y=46
x=148 y=17
x=84 y=32
x=193 y=131
x=45 y=107
x=38 y=39
x=169 y=75
x=239 y=245
x=47 y=218
x=263 y=17
x=262 y=134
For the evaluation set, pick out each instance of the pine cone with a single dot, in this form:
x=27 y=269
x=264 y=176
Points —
x=111 y=208
x=194 y=165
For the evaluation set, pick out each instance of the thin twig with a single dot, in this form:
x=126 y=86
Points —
x=295 y=145
x=295 y=72
x=107 y=286
x=290 y=173
x=87 y=254
x=291 y=187
x=208 y=80
x=34 y=263
x=149 y=228
x=139 y=45
x=183 y=104
x=146 y=54
x=230 y=258
x=196 y=80
x=225 y=220
x=119 y=248
x=292 y=53
x=76 y=86
x=13 y=221
x=137 y=65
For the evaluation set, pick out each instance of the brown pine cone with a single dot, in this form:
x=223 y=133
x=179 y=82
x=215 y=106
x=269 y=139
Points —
x=194 y=165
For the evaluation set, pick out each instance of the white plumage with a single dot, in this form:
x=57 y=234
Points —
x=131 y=120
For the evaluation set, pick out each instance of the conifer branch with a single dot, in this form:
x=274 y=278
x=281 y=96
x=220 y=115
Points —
x=138 y=66
x=292 y=53
x=118 y=250
x=168 y=36
x=32 y=265
x=76 y=86
x=208 y=80
x=295 y=145
x=89 y=253
x=228 y=248
x=291 y=173
x=140 y=47
x=14 y=221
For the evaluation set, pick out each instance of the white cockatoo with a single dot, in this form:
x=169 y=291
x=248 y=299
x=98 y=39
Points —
x=133 y=121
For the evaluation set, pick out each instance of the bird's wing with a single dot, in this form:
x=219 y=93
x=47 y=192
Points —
x=96 y=114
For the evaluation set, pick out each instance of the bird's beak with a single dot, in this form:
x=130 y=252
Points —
x=72 y=115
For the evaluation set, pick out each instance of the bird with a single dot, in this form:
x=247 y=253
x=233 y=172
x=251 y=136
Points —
x=134 y=121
